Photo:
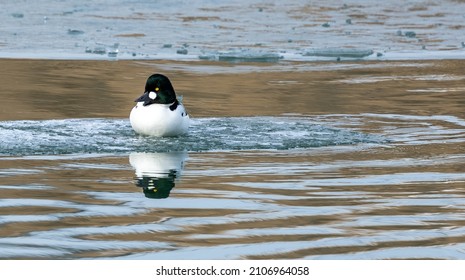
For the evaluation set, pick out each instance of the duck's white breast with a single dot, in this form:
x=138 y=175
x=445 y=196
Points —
x=159 y=120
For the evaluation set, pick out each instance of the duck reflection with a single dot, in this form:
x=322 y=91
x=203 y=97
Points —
x=156 y=172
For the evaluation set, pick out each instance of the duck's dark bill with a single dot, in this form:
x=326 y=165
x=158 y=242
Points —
x=144 y=98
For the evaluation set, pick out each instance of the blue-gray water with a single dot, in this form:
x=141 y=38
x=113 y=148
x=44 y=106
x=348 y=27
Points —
x=349 y=155
x=232 y=30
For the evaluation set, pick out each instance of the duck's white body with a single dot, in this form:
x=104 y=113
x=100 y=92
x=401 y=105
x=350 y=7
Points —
x=159 y=119
x=158 y=165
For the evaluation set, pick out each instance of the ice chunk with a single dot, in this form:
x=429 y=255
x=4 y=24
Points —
x=75 y=32
x=208 y=57
x=17 y=15
x=100 y=50
x=182 y=51
x=243 y=56
x=113 y=51
x=110 y=50
x=410 y=34
x=339 y=52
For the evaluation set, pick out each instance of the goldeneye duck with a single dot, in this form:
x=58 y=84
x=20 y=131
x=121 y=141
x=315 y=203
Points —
x=158 y=112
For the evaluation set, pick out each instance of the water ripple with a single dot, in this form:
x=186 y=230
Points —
x=327 y=188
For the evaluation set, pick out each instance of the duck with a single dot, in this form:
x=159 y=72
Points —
x=158 y=112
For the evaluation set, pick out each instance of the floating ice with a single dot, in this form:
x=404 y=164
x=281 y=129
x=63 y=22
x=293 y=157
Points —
x=78 y=136
x=17 y=15
x=75 y=32
x=97 y=50
x=243 y=56
x=339 y=52
x=110 y=50
x=210 y=25
x=182 y=51
x=410 y=34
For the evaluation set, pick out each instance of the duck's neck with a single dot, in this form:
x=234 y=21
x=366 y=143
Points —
x=174 y=105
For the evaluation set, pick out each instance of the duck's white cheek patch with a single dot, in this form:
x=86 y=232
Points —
x=152 y=95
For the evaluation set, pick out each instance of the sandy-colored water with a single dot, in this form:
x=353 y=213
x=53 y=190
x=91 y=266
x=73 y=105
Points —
x=44 y=89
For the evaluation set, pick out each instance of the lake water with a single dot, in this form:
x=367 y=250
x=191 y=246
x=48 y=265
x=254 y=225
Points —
x=310 y=160
x=225 y=30
x=322 y=130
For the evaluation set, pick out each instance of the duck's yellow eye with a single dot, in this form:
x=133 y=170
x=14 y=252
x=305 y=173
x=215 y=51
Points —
x=157 y=89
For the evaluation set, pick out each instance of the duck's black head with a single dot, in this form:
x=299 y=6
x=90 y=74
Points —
x=158 y=90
